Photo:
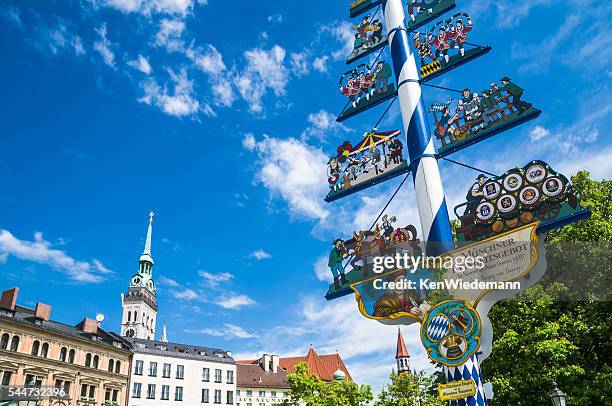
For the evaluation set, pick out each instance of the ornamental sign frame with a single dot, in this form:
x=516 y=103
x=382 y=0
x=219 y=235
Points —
x=361 y=6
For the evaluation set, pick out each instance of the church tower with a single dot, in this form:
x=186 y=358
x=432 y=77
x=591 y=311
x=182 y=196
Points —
x=140 y=304
x=401 y=355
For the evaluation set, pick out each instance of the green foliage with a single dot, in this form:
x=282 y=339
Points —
x=410 y=390
x=309 y=390
x=539 y=337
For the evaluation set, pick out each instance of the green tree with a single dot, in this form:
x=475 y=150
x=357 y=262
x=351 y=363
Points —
x=307 y=389
x=561 y=328
x=410 y=389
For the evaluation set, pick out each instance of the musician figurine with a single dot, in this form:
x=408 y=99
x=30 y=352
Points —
x=336 y=256
x=335 y=174
x=423 y=47
x=442 y=43
x=459 y=34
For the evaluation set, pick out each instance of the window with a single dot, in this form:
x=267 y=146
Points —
x=217 y=375
x=205 y=394
x=165 y=395
x=44 y=351
x=262 y=393
x=111 y=365
x=206 y=374
x=71 y=356
x=138 y=367
x=33 y=380
x=230 y=377
x=63 y=353
x=237 y=392
x=4 y=341
x=180 y=371
x=88 y=392
x=96 y=361
x=35 y=347
x=230 y=397
x=88 y=360
x=129 y=316
x=136 y=390
x=249 y=392
x=15 y=343
x=62 y=384
x=152 y=368
x=217 y=395
x=273 y=393
x=6 y=378
x=118 y=367
x=178 y=393
x=166 y=371
x=111 y=396
x=151 y=391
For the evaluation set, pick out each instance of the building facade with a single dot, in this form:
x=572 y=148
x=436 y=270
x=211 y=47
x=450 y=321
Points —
x=89 y=363
x=140 y=303
x=263 y=382
x=168 y=373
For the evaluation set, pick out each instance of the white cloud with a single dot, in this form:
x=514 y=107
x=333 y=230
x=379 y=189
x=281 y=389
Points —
x=228 y=331
x=141 y=64
x=168 y=282
x=41 y=252
x=169 y=34
x=320 y=64
x=248 y=142
x=234 y=301
x=100 y=267
x=214 y=279
x=104 y=47
x=12 y=14
x=59 y=37
x=299 y=63
x=210 y=61
x=180 y=102
x=323 y=124
x=184 y=294
x=265 y=69
x=538 y=132
x=293 y=170
x=321 y=269
x=510 y=13
x=343 y=32
x=260 y=254
x=147 y=7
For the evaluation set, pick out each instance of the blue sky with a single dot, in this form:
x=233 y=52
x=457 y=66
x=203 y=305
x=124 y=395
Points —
x=219 y=116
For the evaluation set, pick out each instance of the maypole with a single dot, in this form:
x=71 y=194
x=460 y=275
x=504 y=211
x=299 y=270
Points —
x=435 y=223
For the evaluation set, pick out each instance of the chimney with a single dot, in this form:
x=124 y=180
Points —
x=266 y=360
x=275 y=363
x=9 y=299
x=42 y=311
x=89 y=326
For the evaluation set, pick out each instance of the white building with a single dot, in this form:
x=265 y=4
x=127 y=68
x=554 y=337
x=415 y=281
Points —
x=140 y=303
x=163 y=371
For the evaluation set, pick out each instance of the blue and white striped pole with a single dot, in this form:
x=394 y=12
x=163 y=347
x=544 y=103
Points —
x=435 y=223
x=433 y=214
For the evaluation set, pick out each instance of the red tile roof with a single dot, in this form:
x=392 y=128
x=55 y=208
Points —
x=401 y=352
x=322 y=366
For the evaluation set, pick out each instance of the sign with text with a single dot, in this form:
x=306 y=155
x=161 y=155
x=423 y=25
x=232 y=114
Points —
x=456 y=390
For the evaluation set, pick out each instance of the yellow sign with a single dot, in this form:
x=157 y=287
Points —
x=456 y=390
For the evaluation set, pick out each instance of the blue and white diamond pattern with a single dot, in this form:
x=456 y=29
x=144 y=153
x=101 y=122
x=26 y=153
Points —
x=469 y=370
x=438 y=327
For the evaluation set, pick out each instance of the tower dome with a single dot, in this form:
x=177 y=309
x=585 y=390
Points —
x=339 y=375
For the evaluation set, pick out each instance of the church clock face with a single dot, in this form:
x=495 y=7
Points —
x=129 y=332
x=136 y=280
x=151 y=285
